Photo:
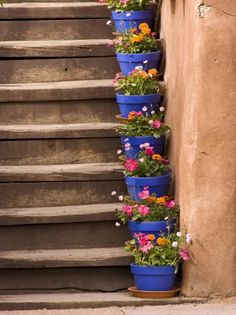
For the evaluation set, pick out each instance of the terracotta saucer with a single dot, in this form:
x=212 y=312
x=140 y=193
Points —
x=121 y=119
x=122 y=158
x=153 y=294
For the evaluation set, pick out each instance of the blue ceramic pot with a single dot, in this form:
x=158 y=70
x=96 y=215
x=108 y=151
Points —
x=158 y=145
x=128 y=62
x=153 y=278
x=157 y=228
x=129 y=103
x=124 y=21
x=158 y=185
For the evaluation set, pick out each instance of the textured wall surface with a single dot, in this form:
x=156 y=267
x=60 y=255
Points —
x=199 y=38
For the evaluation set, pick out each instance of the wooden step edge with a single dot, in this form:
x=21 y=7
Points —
x=65 y=172
x=57 y=91
x=56 y=48
x=53 y=10
x=85 y=130
x=85 y=300
x=60 y=214
x=64 y=258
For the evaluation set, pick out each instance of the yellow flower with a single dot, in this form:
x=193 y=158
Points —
x=162 y=241
x=156 y=157
x=151 y=199
x=151 y=237
x=133 y=30
x=152 y=72
x=161 y=200
x=145 y=28
x=136 y=38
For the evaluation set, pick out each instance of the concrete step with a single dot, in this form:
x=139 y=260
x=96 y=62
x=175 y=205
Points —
x=87 y=300
x=56 y=48
x=58 y=112
x=47 y=70
x=66 y=258
x=54 y=10
x=57 y=91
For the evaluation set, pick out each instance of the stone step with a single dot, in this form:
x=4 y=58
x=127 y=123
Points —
x=86 y=300
x=47 y=70
x=54 y=10
x=56 y=48
x=66 y=214
x=66 y=258
x=58 y=112
x=57 y=91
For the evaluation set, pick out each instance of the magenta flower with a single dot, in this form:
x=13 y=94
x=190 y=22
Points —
x=149 y=151
x=128 y=210
x=131 y=165
x=146 y=248
x=144 y=194
x=143 y=210
x=184 y=254
x=165 y=161
x=170 y=204
x=156 y=124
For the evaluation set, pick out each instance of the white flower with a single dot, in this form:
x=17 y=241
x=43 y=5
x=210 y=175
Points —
x=127 y=146
x=145 y=61
x=141 y=146
x=138 y=68
x=119 y=152
x=126 y=139
x=179 y=234
x=161 y=109
x=150 y=122
x=117 y=224
x=123 y=172
x=153 y=112
x=141 y=160
x=175 y=244
x=133 y=84
x=109 y=22
x=144 y=109
x=128 y=14
x=120 y=197
x=113 y=193
x=189 y=238
x=166 y=218
x=146 y=145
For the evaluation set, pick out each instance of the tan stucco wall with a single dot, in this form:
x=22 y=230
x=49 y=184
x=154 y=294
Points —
x=201 y=88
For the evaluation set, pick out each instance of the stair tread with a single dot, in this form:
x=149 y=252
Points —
x=55 y=48
x=65 y=172
x=49 y=258
x=84 y=130
x=51 y=10
x=42 y=215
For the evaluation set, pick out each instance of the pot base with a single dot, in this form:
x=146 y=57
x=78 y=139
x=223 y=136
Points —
x=153 y=294
x=122 y=120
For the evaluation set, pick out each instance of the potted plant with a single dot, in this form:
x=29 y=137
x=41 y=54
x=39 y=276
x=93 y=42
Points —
x=128 y=14
x=140 y=89
x=148 y=170
x=143 y=131
x=138 y=47
x=151 y=214
x=157 y=259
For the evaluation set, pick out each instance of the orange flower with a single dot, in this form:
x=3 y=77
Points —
x=151 y=237
x=133 y=30
x=145 y=28
x=161 y=200
x=151 y=199
x=132 y=115
x=153 y=72
x=136 y=38
x=156 y=157
x=162 y=241
x=144 y=74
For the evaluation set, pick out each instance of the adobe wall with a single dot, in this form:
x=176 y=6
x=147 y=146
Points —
x=200 y=75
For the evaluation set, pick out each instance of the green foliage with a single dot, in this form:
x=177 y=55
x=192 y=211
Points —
x=126 y=5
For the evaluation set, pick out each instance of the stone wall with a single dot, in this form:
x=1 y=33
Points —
x=199 y=39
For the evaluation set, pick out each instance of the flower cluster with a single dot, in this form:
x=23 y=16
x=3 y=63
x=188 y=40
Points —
x=147 y=164
x=138 y=82
x=169 y=250
x=137 y=40
x=150 y=209
x=126 y=5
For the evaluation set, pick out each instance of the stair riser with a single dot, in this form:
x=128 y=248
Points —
x=102 y=278
x=58 y=151
x=47 y=70
x=64 y=235
x=41 y=194
x=69 y=112
x=55 y=29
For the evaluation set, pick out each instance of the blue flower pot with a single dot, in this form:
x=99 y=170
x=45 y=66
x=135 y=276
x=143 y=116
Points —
x=158 y=145
x=158 y=185
x=157 y=228
x=129 y=103
x=124 y=21
x=128 y=62
x=153 y=278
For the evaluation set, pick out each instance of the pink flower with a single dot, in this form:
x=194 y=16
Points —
x=146 y=248
x=165 y=161
x=149 y=151
x=131 y=165
x=143 y=210
x=124 y=1
x=170 y=204
x=144 y=194
x=156 y=124
x=184 y=253
x=139 y=113
x=128 y=210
